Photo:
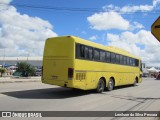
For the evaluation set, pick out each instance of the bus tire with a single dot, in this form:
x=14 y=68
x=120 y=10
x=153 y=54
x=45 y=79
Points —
x=135 y=82
x=100 y=86
x=110 y=85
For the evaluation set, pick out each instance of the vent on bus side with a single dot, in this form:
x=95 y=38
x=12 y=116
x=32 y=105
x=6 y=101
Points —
x=80 y=76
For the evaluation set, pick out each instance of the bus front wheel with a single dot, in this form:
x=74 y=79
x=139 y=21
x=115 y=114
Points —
x=110 y=85
x=100 y=86
x=135 y=82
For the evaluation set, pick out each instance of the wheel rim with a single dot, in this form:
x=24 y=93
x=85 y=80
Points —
x=110 y=85
x=101 y=86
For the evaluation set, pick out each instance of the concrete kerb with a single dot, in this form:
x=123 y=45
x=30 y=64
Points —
x=19 y=79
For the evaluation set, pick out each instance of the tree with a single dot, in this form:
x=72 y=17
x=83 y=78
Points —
x=2 y=70
x=26 y=69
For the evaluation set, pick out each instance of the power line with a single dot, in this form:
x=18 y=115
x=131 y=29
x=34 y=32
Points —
x=56 y=8
x=81 y=10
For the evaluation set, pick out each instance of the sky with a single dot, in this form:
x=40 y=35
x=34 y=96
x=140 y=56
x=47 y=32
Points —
x=26 y=24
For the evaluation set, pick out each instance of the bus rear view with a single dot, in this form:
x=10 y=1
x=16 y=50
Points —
x=58 y=65
x=73 y=62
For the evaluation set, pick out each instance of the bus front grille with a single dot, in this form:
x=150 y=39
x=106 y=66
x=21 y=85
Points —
x=80 y=76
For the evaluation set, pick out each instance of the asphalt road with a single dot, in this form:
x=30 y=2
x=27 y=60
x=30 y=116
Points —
x=36 y=96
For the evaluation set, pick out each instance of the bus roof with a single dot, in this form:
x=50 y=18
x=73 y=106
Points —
x=100 y=46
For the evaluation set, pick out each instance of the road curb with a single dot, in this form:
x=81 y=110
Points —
x=19 y=80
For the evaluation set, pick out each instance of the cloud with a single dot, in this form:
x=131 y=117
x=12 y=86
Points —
x=136 y=25
x=112 y=17
x=5 y=1
x=131 y=8
x=92 y=38
x=142 y=44
x=20 y=34
x=111 y=20
x=127 y=9
x=156 y=2
x=108 y=20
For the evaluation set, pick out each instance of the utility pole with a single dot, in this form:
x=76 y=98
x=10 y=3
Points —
x=27 y=57
x=4 y=54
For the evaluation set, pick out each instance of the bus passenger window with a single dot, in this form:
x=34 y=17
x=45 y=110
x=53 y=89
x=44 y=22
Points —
x=125 y=60
x=121 y=59
x=86 y=53
x=90 y=53
x=128 y=61
x=117 y=59
x=81 y=51
x=131 y=63
x=96 y=54
x=102 y=56
x=108 y=56
x=134 y=64
x=113 y=57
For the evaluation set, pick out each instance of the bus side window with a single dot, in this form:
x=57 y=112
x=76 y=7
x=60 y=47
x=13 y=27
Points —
x=113 y=57
x=86 y=52
x=117 y=59
x=82 y=51
x=102 y=56
x=125 y=60
x=90 y=53
x=131 y=63
x=134 y=63
x=108 y=56
x=96 y=55
x=128 y=61
x=121 y=59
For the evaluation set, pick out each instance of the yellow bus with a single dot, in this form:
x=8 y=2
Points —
x=72 y=62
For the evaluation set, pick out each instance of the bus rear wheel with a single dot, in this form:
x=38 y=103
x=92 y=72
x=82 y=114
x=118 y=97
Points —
x=110 y=84
x=100 y=86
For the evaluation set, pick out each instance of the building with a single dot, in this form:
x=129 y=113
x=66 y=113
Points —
x=9 y=61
